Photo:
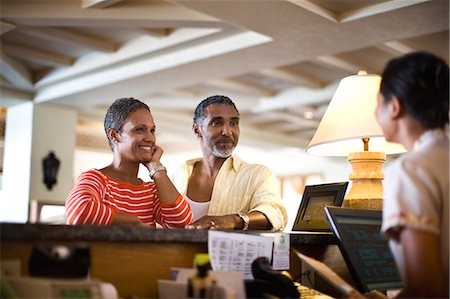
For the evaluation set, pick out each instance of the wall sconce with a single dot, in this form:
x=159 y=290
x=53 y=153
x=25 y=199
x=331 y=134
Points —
x=50 y=165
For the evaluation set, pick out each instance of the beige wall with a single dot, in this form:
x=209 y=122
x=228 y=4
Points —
x=33 y=131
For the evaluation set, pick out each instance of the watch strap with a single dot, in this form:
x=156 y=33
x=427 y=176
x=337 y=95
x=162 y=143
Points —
x=153 y=171
x=245 y=219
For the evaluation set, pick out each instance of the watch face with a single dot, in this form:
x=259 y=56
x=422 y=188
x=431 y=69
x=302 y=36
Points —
x=155 y=170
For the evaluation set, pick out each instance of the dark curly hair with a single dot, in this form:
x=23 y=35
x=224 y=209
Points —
x=200 y=114
x=420 y=81
x=118 y=112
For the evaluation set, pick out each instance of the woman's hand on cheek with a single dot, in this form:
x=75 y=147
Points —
x=157 y=153
x=154 y=160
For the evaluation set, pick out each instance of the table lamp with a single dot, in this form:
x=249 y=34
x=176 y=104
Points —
x=348 y=128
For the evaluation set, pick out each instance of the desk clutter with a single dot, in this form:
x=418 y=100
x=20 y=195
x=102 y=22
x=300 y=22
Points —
x=203 y=282
x=56 y=288
x=54 y=272
x=236 y=265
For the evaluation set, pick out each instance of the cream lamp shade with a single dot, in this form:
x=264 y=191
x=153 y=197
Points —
x=350 y=116
x=349 y=128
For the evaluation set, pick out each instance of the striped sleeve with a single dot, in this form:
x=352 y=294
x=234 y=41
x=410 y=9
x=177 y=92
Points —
x=174 y=215
x=84 y=204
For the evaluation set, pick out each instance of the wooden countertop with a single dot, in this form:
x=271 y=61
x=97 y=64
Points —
x=132 y=234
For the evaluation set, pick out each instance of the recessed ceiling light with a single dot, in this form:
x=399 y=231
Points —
x=308 y=114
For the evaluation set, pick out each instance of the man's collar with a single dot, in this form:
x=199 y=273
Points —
x=235 y=161
x=193 y=161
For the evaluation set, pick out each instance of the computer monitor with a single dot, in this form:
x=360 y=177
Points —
x=364 y=248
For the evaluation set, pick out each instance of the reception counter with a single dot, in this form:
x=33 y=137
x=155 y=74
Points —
x=133 y=258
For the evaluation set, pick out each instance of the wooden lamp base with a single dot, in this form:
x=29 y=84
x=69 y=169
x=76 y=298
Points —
x=367 y=189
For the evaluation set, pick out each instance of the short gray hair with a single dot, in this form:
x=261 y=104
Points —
x=118 y=113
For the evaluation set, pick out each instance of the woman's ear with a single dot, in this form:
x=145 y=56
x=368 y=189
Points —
x=112 y=135
x=395 y=108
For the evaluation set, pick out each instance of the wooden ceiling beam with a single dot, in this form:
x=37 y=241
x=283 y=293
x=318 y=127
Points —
x=71 y=37
x=396 y=48
x=10 y=97
x=15 y=72
x=182 y=126
x=286 y=119
x=296 y=97
x=295 y=119
x=309 y=111
x=339 y=64
x=289 y=128
x=130 y=14
x=38 y=56
x=158 y=32
x=98 y=3
x=239 y=86
x=258 y=119
x=375 y=9
x=4 y=82
x=268 y=139
x=5 y=27
x=171 y=102
x=356 y=14
x=291 y=77
x=316 y=9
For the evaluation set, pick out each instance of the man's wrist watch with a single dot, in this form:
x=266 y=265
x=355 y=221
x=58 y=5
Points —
x=153 y=171
x=245 y=219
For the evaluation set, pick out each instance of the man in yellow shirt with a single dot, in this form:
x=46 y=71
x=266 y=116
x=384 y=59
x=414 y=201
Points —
x=225 y=192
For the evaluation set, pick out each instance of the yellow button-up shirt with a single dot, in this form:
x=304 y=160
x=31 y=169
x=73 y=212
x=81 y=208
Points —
x=240 y=187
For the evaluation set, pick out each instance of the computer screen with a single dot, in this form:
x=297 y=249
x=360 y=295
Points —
x=364 y=248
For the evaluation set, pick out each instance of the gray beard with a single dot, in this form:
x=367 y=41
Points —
x=222 y=153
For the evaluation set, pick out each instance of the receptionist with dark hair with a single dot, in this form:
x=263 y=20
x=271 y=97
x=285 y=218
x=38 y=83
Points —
x=115 y=194
x=413 y=109
x=225 y=192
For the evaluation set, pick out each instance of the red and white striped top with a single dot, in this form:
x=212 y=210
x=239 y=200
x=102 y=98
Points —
x=96 y=196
